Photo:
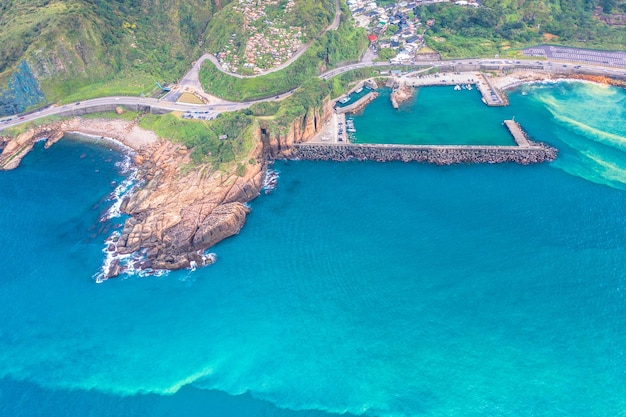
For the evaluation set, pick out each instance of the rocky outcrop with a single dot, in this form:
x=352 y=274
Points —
x=21 y=92
x=401 y=94
x=14 y=149
x=601 y=79
x=175 y=216
x=175 y=213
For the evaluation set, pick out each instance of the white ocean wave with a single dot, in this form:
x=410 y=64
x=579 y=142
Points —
x=270 y=181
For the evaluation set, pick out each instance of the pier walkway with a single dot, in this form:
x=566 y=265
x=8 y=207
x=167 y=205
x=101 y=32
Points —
x=518 y=134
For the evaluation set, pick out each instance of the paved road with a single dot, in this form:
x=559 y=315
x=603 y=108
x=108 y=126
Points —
x=486 y=63
x=216 y=108
x=207 y=110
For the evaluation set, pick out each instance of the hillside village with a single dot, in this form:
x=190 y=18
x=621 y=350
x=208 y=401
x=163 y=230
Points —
x=394 y=29
x=270 y=40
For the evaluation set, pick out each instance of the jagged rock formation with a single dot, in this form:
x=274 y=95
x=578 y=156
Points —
x=176 y=215
x=401 y=94
x=301 y=129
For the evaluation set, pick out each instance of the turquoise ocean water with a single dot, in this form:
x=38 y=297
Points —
x=361 y=288
x=435 y=115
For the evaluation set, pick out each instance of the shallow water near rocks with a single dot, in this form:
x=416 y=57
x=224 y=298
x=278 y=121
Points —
x=377 y=289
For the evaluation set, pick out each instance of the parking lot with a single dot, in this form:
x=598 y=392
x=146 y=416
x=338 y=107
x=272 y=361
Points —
x=617 y=59
x=199 y=115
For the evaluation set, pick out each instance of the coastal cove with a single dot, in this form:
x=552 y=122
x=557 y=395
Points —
x=434 y=116
x=372 y=289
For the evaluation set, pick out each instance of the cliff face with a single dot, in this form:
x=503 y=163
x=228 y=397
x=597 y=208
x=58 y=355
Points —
x=301 y=129
x=22 y=92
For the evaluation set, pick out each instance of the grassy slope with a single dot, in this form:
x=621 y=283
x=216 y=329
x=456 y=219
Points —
x=203 y=136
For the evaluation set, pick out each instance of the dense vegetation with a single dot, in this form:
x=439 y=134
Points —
x=203 y=136
x=125 y=45
x=334 y=47
x=312 y=16
x=501 y=24
x=310 y=96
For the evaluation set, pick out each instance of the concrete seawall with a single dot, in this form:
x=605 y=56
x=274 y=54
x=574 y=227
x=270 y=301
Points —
x=439 y=155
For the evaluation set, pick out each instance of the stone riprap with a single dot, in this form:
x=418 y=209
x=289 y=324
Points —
x=439 y=155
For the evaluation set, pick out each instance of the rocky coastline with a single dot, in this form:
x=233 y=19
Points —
x=174 y=216
x=176 y=213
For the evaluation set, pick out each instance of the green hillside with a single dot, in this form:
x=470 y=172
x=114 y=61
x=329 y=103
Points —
x=272 y=24
x=501 y=24
x=73 y=47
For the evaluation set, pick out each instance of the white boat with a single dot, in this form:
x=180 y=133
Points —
x=344 y=100
x=469 y=86
x=457 y=87
x=359 y=90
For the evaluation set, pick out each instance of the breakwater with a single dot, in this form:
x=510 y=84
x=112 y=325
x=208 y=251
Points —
x=359 y=104
x=439 y=155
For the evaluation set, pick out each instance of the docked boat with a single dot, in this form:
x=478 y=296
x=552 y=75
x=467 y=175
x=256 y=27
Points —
x=469 y=86
x=358 y=90
x=350 y=126
x=345 y=100
x=457 y=87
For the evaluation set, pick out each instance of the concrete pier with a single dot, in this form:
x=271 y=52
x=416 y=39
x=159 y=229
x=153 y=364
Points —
x=359 y=104
x=491 y=95
x=518 y=134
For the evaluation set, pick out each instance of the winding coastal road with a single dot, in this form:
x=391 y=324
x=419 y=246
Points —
x=220 y=106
